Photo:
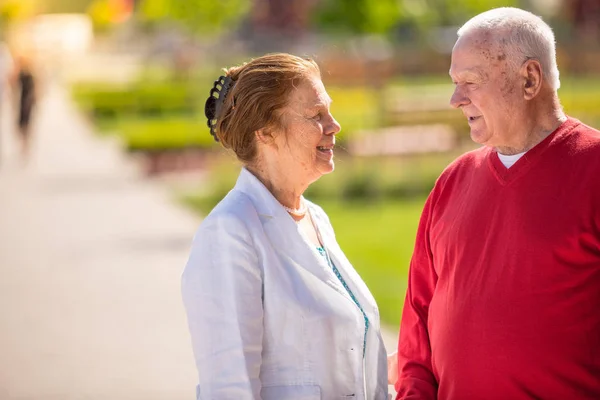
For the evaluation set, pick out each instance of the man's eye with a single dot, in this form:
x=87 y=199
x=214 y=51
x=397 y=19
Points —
x=317 y=117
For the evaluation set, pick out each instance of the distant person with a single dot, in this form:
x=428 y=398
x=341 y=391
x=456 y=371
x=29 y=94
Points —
x=275 y=309
x=503 y=298
x=24 y=84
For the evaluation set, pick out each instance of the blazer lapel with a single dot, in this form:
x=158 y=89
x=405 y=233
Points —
x=284 y=234
x=353 y=280
x=290 y=245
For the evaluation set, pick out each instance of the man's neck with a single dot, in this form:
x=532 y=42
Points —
x=536 y=129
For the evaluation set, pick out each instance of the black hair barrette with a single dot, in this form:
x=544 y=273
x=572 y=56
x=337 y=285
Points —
x=214 y=103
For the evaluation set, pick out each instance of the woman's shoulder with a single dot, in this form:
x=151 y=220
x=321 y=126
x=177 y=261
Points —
x=236 y=209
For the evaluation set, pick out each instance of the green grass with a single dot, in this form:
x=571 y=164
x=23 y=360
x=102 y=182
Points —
x=378 y=240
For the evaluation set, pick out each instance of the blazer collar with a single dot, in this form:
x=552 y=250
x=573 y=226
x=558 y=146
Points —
x=284 y=233
x=265 y=203
x=353 y=280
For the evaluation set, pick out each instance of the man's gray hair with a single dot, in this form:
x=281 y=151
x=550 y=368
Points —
x=527 y=37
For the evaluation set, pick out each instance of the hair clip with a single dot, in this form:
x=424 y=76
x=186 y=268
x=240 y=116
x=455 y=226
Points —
x=214 y=103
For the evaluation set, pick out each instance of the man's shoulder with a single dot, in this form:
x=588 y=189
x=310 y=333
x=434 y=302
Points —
x=464 y=165
x=467 y=161
x=582 y=143
x=587 y=135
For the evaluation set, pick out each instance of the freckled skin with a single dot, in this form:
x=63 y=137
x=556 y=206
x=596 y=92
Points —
x=309 y=123
x=486 y=88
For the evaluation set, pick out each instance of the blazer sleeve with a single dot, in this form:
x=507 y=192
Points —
x=415 y=373
x=222 y=295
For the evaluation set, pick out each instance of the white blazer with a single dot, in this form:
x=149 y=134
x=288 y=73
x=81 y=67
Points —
x=268 y=317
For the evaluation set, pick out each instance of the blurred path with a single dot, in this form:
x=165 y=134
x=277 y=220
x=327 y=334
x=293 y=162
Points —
x=90 y=261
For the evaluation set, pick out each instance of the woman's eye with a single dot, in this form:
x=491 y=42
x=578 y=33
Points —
x=317 y=117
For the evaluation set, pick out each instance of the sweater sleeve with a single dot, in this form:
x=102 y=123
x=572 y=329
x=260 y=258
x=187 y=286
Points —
x=415 y=375
x=222 y=295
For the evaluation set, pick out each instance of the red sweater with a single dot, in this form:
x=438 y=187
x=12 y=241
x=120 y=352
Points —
x=503 y=297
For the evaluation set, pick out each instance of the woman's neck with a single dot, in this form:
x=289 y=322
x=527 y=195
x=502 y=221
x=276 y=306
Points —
x=285 y=187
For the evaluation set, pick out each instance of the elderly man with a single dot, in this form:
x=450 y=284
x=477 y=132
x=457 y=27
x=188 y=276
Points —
x=503 y=297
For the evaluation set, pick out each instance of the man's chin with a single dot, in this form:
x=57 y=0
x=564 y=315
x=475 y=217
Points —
x=479 y=136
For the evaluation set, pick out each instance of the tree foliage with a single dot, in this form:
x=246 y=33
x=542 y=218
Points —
x=63 y=6
x=382 y=16
x=199 y=16
x=358 y=16
x=14 y=10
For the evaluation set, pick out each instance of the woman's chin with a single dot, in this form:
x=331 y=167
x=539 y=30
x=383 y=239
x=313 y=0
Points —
x=326 y=168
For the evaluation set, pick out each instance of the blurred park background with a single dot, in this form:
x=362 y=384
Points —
x=122 y=85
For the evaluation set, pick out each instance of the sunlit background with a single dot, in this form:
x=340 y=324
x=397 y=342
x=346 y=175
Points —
x=96 y=223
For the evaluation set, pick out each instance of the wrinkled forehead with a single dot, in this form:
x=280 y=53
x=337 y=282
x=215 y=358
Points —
x=309 y=92
x=477 y=50
x=478 y=41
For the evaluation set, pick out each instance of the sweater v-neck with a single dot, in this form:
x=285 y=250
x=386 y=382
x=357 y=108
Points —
x=507 y=175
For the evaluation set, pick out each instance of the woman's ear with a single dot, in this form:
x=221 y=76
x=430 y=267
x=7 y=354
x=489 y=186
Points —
x=264 y=137
x=533 y=78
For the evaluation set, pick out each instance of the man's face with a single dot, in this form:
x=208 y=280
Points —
x=487 y=89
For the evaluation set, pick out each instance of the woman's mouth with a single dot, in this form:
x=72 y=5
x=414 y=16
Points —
x=325 y=149
x=325 y=152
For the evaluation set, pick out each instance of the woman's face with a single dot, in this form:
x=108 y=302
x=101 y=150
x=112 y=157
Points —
x=305 y=149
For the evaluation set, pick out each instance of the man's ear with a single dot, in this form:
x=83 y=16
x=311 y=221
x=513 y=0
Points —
x=532 y=74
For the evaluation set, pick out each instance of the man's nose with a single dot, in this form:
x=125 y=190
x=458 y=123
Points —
x=458 y=98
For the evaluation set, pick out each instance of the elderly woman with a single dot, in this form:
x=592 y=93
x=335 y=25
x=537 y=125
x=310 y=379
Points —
x=275 y=309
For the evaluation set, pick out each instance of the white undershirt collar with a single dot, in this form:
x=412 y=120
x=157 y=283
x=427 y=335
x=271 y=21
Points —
x=510 y=160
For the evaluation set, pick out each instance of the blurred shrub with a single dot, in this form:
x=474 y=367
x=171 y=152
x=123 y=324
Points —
x=165 y=134
x=202 y=17
x=362 y=186
x=380 y=179
x=104 y=101
x=156 y=114
x=355 y=180
x=140 y=98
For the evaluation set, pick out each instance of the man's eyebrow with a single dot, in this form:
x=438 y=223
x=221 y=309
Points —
x=470 y=72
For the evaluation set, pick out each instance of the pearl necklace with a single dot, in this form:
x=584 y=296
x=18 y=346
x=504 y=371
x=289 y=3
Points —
x=296 y=211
